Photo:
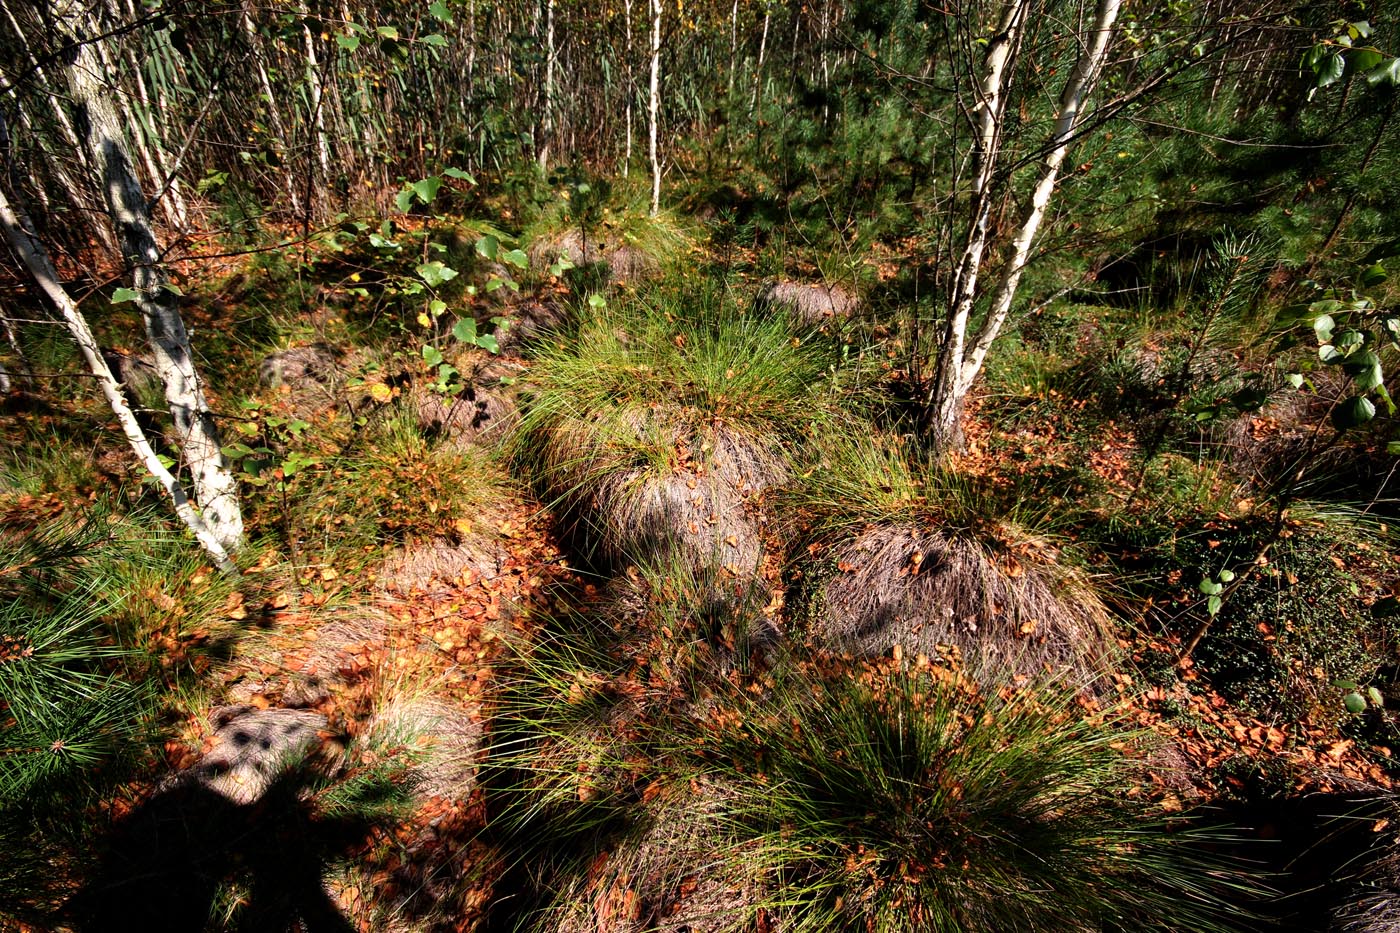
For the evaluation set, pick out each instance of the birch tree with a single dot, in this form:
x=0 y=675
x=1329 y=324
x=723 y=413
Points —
x=36 y=260
x=216 y=489
x=960 y=354
x=655 y=105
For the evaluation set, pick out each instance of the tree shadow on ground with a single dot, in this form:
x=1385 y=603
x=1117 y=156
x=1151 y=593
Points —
x=163 y=866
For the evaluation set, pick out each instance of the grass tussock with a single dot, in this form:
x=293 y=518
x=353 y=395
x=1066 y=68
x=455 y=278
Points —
x=914 y=560
x=659 y=421
x=823 y=798
x=923 y=802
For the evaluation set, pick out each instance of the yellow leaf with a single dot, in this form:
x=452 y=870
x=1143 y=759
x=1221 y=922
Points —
x=423 y=319
x=380 y=392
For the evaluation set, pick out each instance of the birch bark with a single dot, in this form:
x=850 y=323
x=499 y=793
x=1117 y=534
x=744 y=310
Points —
x=960 y=359
x=35 y=258
x=655 y=107
x=216 y=489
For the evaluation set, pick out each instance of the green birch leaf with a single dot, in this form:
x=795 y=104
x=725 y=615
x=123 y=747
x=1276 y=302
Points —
x=1352 y=413
x=465 y=330
x=435 y=273
x=427 y=189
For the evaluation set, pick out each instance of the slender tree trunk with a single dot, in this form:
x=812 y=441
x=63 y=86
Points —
x=655 y=105
x=944 y=405
x=163 y=175
x=314 y=194
x=631 y=84
x=58 y=166
x=274 y=112
x=547 y=105
x=36 y=260
x=960 y=360
x=733 y=45
x=216 y=489
x=758 y=69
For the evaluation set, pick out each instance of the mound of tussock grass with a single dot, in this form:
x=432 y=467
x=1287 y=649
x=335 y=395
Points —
x=925 y=563
x=634 y=245
x=656 y=425
x=922 y=801
x=1006 y=608
x=676 y=869
x=810 y=304
x=833 y=798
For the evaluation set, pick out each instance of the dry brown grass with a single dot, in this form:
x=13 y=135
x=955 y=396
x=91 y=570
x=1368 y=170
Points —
x=626 y=263
x=810 y=304
x=678 y=873
x=699 y=505
x=1005 y=610
x=485 y=407
x=443 y=739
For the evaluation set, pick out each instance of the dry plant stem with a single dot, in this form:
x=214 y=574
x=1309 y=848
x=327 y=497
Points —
x=36 y=260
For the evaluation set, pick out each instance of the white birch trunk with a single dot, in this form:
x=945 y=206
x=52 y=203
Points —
x=37 y=261
x=547 y=115
x=959 y=360
x=655 y=107
x=70 y=135
x=631 y=89
x=762 y=50
x=166 y=177
x=216 y=489
x=1072 y=100
x=945 y=402
x=318 y=120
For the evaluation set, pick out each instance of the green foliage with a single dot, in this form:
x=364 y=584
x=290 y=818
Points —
x=393 y=485
x=677 y=358
x=1354 y=333
x=916 y=803
x=1297 y=624
x=100 y=618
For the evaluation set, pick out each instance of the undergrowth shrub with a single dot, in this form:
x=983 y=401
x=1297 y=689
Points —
x=392 y=485
x=1299 y=622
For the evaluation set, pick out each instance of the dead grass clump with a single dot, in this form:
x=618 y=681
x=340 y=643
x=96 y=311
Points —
x=530 y=320
x=442 y=741
x=328 y=659
x=570 y=244
x=486 y=405
x=697 y=503
x=441 y=562
x=920 y=591
x=811 y=304
x=679 y=872
x=626 y=262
